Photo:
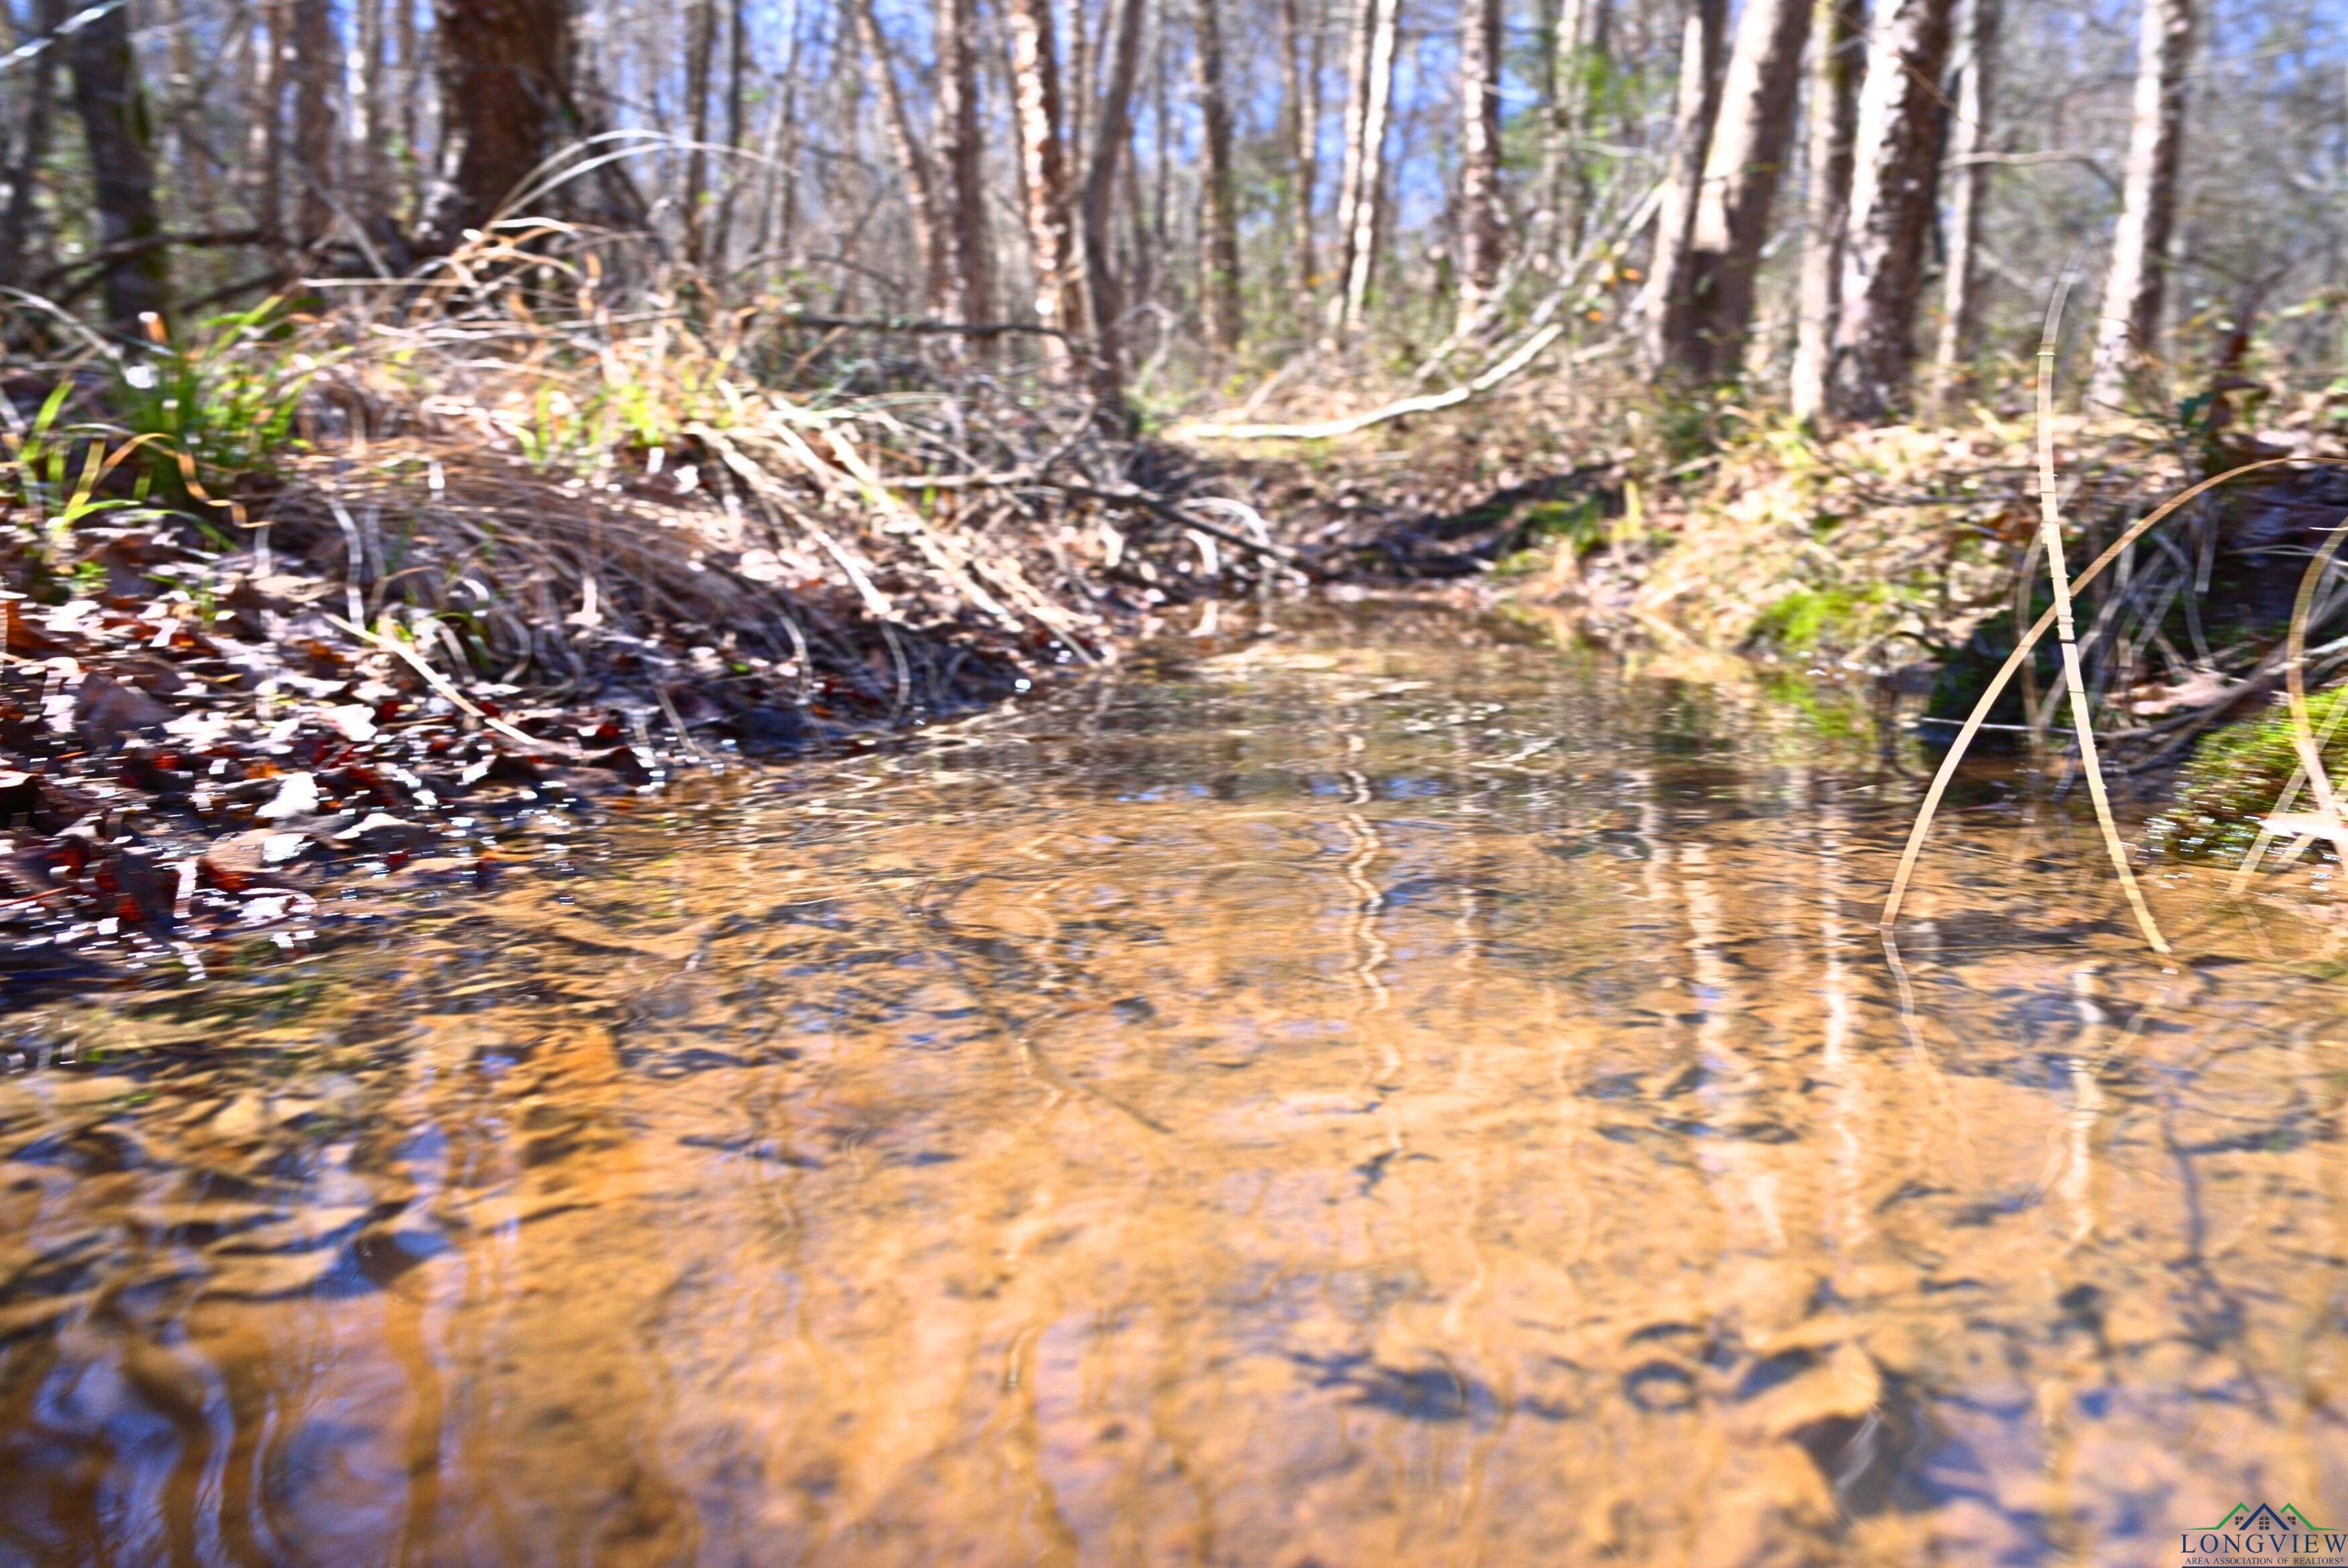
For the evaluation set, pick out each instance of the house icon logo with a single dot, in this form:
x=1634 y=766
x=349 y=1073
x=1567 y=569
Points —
x=2254 y=1534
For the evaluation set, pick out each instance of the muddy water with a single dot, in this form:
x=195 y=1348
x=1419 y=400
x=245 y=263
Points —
x=1367 y=1096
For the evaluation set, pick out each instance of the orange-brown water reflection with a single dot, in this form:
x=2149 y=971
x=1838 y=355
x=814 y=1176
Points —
x=1372 y=1097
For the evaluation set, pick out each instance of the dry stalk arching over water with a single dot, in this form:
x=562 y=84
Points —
x=2058 y=616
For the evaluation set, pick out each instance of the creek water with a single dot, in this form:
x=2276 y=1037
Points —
x=1371 y=1094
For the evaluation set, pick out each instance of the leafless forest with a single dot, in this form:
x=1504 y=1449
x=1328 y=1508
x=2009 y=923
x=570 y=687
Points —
x=1852 y=211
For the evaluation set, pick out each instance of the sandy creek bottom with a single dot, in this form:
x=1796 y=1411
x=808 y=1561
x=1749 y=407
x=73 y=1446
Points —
x=1372 y=1095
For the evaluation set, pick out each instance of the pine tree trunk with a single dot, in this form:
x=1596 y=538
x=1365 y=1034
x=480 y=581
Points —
x=1894 y=168
x=1837 y=45
x=121 y=153
x=921 y=187
x=1044 y=163
x=315 y=67
x=1222 y=206
x=1691 y=121
x=505 y=69
x=1479 y=156
x=2129 y=329
x=1960 y=283
x=1750 y=142
x=962 y=154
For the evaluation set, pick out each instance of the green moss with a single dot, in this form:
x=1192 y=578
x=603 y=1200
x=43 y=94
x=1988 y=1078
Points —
x=2238 y=774
x=1832 y=712
x=1808 y=617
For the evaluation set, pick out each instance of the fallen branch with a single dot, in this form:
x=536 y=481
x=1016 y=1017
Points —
x=919 y=325
x=1122 y=495
x=1329 y=429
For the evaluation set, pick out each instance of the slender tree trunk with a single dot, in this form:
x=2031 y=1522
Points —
x=1742 y=172
x=920 y=186
x=1362 y=178
x=1112 y=139
x=24 y=174
x=505 y=101
x=273 y=24
x=1838 y=40
x=413 y=80
x=2129 y=329
x=737 y=133
x=1961 y=303
x=121 y=154
x=1221 y=205
x=1301 y=30
x=1043 y=162
x=700 y=56
x=1893 y=167
x=962 y=155
x=1480 y=155
x=367 y=137
x=315 y=67
x=1692 y=120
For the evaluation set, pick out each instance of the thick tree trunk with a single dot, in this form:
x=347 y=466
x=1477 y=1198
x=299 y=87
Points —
x=1301 y=29
x=1480 y=155
x=122 y=164
x=505 y=94
x=1960 y=282
x=316 y=64
x=2129 y=329
x=1691 y=121
x=1112 y=138
x=1837 y=52
x=1740 y=174
x=1044 y=164
x=1362 y=178
x=962 y=155
x=921 y=187
x=1893 y=172
x=24 y=173
x=1222 y=227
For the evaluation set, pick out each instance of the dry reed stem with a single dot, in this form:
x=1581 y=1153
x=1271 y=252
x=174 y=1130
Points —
x=1922 y=826
x=2050 y=523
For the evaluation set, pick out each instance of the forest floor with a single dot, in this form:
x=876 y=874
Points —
x=329 y=640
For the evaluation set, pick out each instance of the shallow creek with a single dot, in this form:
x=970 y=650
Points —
x=1368 y=1096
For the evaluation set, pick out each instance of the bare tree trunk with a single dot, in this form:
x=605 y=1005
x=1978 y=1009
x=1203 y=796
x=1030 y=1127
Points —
x=1893 y=168
x=700 y=55
x=366 y=147
x=1112 y=138
x=1301 y=29
x=505 y=101
x=737 y=132
x=1043 y=157
x=921 y=187
x=961 y=151
x=1480 y=155
x=315 y=66
x=1960 y=301
x=1698 y=106
x=413 y=78
x=1362 y=178
x=2129 y=329
x=1838 y=40
x=122 y=166
x=1742 y=170
x=273 y=24
x=24 y=173
x=1221 y=206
